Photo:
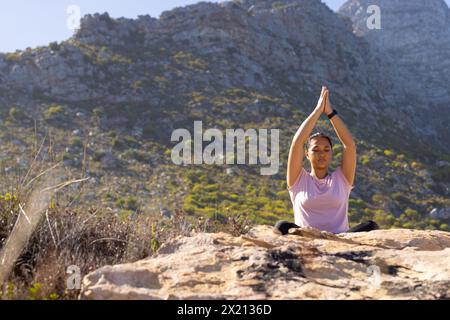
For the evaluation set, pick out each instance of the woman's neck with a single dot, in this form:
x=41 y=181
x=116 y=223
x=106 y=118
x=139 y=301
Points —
x=319 y=173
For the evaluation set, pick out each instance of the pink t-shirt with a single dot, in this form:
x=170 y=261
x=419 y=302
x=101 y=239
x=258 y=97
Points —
x=321 y=203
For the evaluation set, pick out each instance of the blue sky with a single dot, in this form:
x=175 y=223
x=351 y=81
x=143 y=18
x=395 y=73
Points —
x=28 y=23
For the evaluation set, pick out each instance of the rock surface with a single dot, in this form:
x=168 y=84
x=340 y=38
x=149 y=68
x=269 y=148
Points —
x=306 y=264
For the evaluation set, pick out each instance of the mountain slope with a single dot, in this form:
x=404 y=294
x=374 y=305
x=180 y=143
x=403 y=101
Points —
x=415 y=36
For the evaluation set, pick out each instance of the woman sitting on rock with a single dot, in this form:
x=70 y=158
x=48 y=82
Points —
x=320 y=198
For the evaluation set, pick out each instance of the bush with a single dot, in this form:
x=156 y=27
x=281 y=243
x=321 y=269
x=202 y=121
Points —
x=398 y=196
x=376 y=198
x=54 y=112
x=383 y=218
x=137 y=85
x=365 y=160
x=357 y=203
x=17 y=114
x=99 y=238
x=76 y=142
x=12 y=57
x=416 y=165
x=122 y=143
x=129 y=203
x=125 y=214
x=54 y=46
x=138 y=155
x=388 y=153
x=98 y=112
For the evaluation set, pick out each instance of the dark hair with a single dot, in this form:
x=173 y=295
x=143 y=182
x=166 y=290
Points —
x=315 y=135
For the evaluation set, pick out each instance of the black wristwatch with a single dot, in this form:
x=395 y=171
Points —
x=331 y=115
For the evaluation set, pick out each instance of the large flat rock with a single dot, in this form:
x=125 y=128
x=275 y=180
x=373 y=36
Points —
x=306 y=264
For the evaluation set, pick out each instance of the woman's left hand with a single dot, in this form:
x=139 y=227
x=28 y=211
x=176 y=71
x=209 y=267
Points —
x=328 y=109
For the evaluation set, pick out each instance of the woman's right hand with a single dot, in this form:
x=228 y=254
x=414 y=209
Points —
x=322 y=100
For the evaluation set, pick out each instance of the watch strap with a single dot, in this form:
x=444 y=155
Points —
x=331 y=115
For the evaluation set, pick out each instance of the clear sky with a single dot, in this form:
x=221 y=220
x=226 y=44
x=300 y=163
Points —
x=31 y=23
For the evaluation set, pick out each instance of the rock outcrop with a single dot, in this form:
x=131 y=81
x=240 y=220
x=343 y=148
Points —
x=306 y=264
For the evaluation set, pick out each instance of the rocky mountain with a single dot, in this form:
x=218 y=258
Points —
x=110 y=97
x=274 y=47
x=306 y=264
x=415 y=38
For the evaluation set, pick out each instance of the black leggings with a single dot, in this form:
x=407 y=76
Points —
x=284 y=226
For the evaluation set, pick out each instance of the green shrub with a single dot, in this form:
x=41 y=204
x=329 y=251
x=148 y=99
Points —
x=125 y=214
x=54 y=46
x=154 y=243
x=34 y=291
x=76 y=142
x=408 y=225
x=128 y=203
x=13 y=57
x=377 y=198
x=138 y=155
x=98 y=155
x=17 y=114
x=337 y=148
x=137 y=85
x=388 y=153
x=383 y=218
x=411 y=214
x=398 y=196
x=278 y=5
x=357 y=203
x=122 y=143
x=416 y=165
x=54 y=112
x=98 y=112
x=365 y=159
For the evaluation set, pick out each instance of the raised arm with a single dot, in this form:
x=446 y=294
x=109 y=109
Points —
x=348 y=164
x=296 y=152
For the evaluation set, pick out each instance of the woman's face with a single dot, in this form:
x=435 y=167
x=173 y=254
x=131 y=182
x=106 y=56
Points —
x=320 y=153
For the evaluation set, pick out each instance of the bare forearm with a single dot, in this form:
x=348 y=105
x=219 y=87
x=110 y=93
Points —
x=306 y=128
x=342 y=132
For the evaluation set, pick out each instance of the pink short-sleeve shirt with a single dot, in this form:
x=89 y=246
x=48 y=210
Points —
x=321 y=203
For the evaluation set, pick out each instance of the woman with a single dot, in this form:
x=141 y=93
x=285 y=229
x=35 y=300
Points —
x=320 y=198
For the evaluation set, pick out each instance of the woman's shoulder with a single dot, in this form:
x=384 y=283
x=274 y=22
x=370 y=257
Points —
x=339 y=175
x=301 y=177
